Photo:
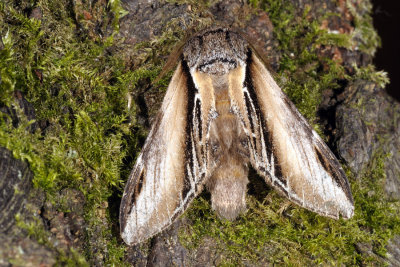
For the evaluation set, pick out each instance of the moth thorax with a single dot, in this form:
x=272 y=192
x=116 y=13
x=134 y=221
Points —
x=217 y=67
x=228 y=187
x=215 y=51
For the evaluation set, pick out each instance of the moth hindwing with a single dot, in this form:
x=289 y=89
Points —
x=223 y=111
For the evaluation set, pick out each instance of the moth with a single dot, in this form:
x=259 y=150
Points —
x=222 y=112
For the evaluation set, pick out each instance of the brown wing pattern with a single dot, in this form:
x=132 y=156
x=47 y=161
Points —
x=287 y=152
x=167 y=174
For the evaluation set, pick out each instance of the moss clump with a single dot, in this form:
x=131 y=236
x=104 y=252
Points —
x=79 y=92
x=369 y=73
x=364 y=35
x=303 y=74
x=34 y=229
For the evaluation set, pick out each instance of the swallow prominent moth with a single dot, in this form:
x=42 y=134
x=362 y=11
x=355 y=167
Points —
x=222 y=112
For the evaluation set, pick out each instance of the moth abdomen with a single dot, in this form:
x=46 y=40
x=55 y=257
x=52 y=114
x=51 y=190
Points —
x=228 y=187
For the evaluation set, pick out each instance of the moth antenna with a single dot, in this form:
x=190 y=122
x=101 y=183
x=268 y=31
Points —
x=172 y=60
x=258 y=49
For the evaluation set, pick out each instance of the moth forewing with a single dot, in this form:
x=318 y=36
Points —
x=153 y=194
x=223 y=111
x=311 y=176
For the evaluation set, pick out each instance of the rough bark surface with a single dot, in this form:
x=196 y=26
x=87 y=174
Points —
x=15 y=183
x=368 y=122
x=18 y=199
x=360 y=119
x=15 y=187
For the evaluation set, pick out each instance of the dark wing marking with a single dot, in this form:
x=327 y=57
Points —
x=168 y=173
x=286 y=151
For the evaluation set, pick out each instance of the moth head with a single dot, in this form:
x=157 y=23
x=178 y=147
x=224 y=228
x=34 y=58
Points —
x=215 y=51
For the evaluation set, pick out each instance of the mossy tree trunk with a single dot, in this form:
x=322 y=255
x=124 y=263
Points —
x=77 y=100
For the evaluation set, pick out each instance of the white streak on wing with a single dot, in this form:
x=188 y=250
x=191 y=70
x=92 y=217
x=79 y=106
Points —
x=200 y=165
x=156 y=180
x=322 y=184
x=297 y=149
x=269 y=164
x=196 y=170
x=271 y=169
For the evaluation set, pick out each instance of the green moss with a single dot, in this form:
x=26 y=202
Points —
x=369 y=73
x=35 y=229
x=7 y=74
x=302 y=73
x=81 y=93
x=117 y=11
x=364 y=35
